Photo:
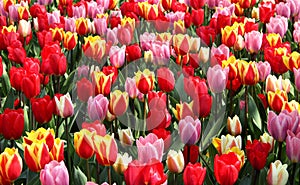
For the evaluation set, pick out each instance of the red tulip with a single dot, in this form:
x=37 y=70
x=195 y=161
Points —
x=144 y=81
x=84 y=89
x=133 y=52
x=149 y=173
x=274 y=55
x=165 y=79
x=266 y=11
x=1 y=67
x=226 y=168
x=197 y=4
x=194 y=174
x=202 y=105
x=43 y=109
x=37 y=9
x=12 y=123
x=44 y=37
x=16 y=76
x=197 y=17
x=257 y=153
x=194 y=153
x=194 y=86
x=16 y=52
x=164 y=134
x=31 y=85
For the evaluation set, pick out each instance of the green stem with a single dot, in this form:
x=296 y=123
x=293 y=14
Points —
x=246 y=111
x=109 y=174
x=293 y=175
x=98 y=173
x=279 y=150
x=68 y=147
x=145 y=114
x=255 y=177
x=88 y=170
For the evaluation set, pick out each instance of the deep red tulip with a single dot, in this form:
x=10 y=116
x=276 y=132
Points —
x=197 y=17
x=165 y=79
x=207 y=34
x=43 y=22
x=194 y=174
x=1 y=67
x=194 y=153
x=197 y=4
x=2 y=21
x=30 y=85
x=37 y=9
x=202 y=105
x=257 y=153
x=44 y=37
x=180 y=7
x=133 y=52
x=149 y=173
x=266 y=11
x=114 y=21
x=194 y=86
x=16 y=52
x=43 y=109
x=12 y=123
x=16 y=76
x=226 y=168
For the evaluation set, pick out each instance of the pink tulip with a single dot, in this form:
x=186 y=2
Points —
x=45 y=2
x=189 y=130
x=83 y=71
x=222 y=50
x=253 y=41
x=54 y=173
x=111 y=36
x=212 y=3
x=297 y=78
x=79 y=11
x=283 y=9
x=94 y=9
x=13 y=13
x=293 y=146
x=70 y=24
x=175 y=16
x=278 y=24
x=296 y=35
x=90 y=183
x=146 y=39
x=96 y=126
x=150 y=147
x=217 y=78
x=117 y=56
x=64 y=106
x=294 y=7
x=97 y=107
x=264 y=69
x=100 y=25
x=278 y=125
x=53 y=17
x=160 y=50
x=131 y=89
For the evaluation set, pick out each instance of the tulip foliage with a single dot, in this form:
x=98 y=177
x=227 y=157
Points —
x=149 y=92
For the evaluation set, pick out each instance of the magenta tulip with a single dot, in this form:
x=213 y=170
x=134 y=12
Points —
x=150 y=147
x=97 y=107
x=217 y=78
x=189 y=130
x=54 y=173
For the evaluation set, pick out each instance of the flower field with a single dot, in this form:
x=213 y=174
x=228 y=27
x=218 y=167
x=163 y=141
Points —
x=149 y=92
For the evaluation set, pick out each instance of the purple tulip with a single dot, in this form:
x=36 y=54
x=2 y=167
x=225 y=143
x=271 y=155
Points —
x=278 y=24
x=217 y=78
x=97 y=107
x=189 y=130
x=293 y=146
x=117 y=56
x=100 y=25
x=297 y=78
x=253 y=41
x=264 y=69
x=54 y=173
x=279 y=125
x=45 y=2
x=283 y=9
x=150 y=147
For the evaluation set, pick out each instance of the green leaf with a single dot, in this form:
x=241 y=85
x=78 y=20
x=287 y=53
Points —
x=79 y=177
x=9 y=101
x=68 y=84
x=254 y=113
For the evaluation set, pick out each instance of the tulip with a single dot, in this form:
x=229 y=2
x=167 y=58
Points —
x=197 y=17
x=84 y=89
x=12 y=123
x=266 y=11
x=36 y=156
x=292 y=146
x=273 y=84
x=248 y=73
x=219 y=54
x=291 y=106
x=81 y=26
x=228 y=142
x=118 y=102
x=257 y=153
x=102 y=82
x=23 y=13
x=264 y=69
x=57 y=34
x=16 y=52
x=40 y=135
x=135 y=173
x=266 y=138
x=150 y=147
x=100 y=25
x=207 y=34
x=64 y=106
x=165 y=79
x=43 y=109
x=226 y=168
x=189 y=130
x=144 y=81
x=96 y=127
x=97 y=107
x=217 y=78
x=181 y=44
x=30 y=85
x=292 y=60
x=239 y=44
x=194 y=174
x=70 y=40
x=164 y=134
x=130 y=88
x=297 y=78
x=175 y=161
x=122 y=162
x=277 y=99
x=278 y=25
x=106 y=149
x=125 y=35
x=133 y=52
x=229 y=35
x=55 y=173
x=24 y=28
x=234 y=126
x=94 y=47
x=251 y=46
x=179 y=27
x=202 y=105
x=117 y=56
x=194 y=86
x=83 y=143
x=277 y=174
x=57 y=151
x=283 y=9
x=11 y=164
x=126 y=137
x=278 y=125
x=182 y=110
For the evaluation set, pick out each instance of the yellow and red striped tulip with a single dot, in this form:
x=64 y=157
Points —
x=231 y=63
x=182 y=110
x=83 y=143
x=36 y=156
x=102 y=83
x=229 y=35
x=11 y=164
x=273 y=39
x=292 y=60
x=179 y=27
x=181 y=44
x=276 y=99
x=248 y=72
x=291 y=106
x=118 y=102
x=145 y=81
x=82 y=27
x=70 y=40
x=94 y=47
x=57 y=34
x=57 y=151
x=106 y=149
x=40 y=135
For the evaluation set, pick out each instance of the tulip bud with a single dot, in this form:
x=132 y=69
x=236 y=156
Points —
x=122 y=162
x=118 y=102
x=24 y=28
x=277 y=174
x=175 y=161
x=145 y=81
x=234 y=126
x=126 y=137
x=11 y=164
x=106 y=149
x=83 y=143
x=64 y=106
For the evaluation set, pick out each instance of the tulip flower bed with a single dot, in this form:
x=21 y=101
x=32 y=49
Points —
x=149 y=92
